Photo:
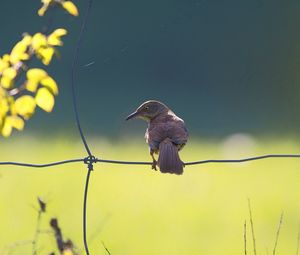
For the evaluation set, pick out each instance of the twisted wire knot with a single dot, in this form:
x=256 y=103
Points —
x=90 y=160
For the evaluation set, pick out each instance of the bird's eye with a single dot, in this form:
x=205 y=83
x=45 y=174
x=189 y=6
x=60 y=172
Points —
x=146 y=108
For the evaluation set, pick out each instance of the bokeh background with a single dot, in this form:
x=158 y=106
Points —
x=229 y=68
x=226 y=66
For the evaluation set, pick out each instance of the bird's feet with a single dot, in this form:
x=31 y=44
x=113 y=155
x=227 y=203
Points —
x=154 y=164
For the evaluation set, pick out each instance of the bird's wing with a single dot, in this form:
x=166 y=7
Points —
x=155 y=135
x=173 y=128
x=177 y=131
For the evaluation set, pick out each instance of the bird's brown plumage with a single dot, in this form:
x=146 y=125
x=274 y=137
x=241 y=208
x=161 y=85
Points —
x=166 y=134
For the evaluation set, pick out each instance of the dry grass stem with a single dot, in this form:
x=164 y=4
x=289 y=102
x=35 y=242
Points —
x=252 y=227
x=277 y=234
x=245 y=238
x=108 y=252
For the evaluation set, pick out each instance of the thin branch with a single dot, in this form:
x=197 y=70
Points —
x=17 y=90
x=48 y=25
x=277 y=234
x=252 y=227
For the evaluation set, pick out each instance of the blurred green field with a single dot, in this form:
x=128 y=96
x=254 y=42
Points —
x=135 y=210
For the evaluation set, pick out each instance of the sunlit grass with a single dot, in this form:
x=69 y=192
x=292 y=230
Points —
x=135 y=210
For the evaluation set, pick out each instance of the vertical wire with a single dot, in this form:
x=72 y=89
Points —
x=85 y=210
x=75 y=107
x=74 y=63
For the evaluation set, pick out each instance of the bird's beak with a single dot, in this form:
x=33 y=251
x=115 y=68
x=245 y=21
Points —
x=133 y=115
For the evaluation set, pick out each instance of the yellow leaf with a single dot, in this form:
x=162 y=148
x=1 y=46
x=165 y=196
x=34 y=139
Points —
x=10 y=73
x=16 y=122
x=38 y=41
x=44 y=8
x=70 y=7
x=36 y=74
x=8 y=76
x=3 y=64
x=45 y=54
x=60 y=32
x=6 y=129
x=31 y=85
x=15 y=57
x=19 y=51
x=54 y=37
x=2 y=93
x=44 y=99
x=25 y=106
x=6 y=82
x=11 y=122
x=6 y=57
x=50 y=84
x=34 y=77
x=27 y=39
x=4 y=107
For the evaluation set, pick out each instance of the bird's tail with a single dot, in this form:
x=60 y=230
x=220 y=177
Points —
x=168 y=160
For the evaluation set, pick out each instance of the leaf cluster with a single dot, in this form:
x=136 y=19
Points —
x=24 y=88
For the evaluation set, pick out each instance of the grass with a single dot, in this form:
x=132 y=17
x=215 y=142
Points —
x=135 y=210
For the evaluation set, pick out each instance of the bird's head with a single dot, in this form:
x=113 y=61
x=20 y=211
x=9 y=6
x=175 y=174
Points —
x=149 y=110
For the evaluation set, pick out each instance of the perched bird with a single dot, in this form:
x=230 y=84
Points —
x=166 y=134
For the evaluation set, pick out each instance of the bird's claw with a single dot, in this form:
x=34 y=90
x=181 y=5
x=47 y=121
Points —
x=154 y=164
x=183 y=164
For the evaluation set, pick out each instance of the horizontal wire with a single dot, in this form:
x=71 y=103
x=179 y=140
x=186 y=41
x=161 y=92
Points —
x=43 y=165
x=243 y=159
x=207 y=161
x=120 y=162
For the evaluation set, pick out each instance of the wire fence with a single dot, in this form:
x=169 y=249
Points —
x=90 y=160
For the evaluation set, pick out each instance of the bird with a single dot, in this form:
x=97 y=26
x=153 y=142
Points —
x=166 y=135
